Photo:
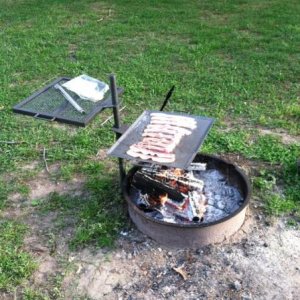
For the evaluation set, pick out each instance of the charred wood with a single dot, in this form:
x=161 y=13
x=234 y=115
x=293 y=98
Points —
x=155 y=187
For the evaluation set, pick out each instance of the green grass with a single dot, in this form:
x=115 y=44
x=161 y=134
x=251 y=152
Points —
x=237 y=61
x=15 y=264
x=30 y=294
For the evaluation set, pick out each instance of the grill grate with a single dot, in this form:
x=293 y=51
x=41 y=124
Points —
x=185 y=151
x=49 y=103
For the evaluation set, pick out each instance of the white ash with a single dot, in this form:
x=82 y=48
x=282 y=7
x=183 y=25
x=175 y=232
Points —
x=223 y=198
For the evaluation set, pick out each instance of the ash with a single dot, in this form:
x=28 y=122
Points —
x=201 y=196
x=222 y=198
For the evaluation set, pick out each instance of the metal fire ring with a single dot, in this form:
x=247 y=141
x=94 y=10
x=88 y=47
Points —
x=192 y=235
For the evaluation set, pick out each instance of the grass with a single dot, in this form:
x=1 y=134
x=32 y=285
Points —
x=15 y=264
x=237 y=61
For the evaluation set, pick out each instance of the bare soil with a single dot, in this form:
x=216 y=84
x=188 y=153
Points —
x=261 y=261
x=280 y=133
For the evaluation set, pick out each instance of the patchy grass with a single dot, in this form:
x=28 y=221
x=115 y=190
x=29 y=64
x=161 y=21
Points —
x=97 y=216
x=15 y=264
x=30 y=294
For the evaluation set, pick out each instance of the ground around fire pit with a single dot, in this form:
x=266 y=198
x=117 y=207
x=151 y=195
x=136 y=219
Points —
x=261 y=261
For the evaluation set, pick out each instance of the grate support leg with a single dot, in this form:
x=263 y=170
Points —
x=117 y=122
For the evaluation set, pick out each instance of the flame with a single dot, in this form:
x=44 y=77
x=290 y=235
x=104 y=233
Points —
x=178 y=172
x=183 y=189
x=163 y=199
x=173 y=183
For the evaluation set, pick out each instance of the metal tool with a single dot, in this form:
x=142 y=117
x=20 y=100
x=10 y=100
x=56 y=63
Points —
x=69 y=99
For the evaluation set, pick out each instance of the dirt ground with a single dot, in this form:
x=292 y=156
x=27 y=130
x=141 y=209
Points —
x=261 y=261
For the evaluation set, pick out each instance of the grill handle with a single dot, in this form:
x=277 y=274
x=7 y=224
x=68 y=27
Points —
x=168 y=96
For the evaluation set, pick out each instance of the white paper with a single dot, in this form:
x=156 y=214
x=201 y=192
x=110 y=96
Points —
x=87 y=87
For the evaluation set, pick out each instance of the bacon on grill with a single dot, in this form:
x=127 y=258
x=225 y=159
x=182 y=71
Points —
x=172 y=133
x=173 y=123
x=155 y=147
x=159 y=141
x=155 y=157
x=161 y=136
x=168 y=128
x=175 y=117
x=169 y=145
x=142 y=149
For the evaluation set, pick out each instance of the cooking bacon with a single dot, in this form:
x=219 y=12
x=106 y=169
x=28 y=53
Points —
x=175 y=119
x=167 y=116
x=165 y=144
x=173 y=123
x=159 y=141
x=160 y=159
x=139 y=149
x=166 y=131
x=158 y=148
x=162 y=135
x=168 y=128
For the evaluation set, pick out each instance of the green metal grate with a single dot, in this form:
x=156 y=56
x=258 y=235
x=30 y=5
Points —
x=48 y=103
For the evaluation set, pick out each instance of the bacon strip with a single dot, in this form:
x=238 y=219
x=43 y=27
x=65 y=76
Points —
x=142 y=150
x=167 y=116
x=173 y=123
x=162 y=135
x=159 y=141
x=158 y=148
x=172 y=133
x=154 y=158
x=169 y=128
x=166 y=144
x=177 y=120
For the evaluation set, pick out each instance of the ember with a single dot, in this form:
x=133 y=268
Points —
x=178 y=196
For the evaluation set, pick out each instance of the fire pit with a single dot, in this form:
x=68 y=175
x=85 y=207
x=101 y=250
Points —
x=226 y=190
x=174 y=201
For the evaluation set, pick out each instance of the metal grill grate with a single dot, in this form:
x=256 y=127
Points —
x=185 y=151
x=48 y=103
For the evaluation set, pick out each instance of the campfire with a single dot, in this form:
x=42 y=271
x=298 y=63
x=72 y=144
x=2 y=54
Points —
x=173 y=195
x=188 y=208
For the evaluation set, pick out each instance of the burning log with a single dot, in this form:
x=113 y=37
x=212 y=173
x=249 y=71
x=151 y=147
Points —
x=155 y=187
x=181 y=176
x=174 y=178
x=175 y=205
x=175 y=193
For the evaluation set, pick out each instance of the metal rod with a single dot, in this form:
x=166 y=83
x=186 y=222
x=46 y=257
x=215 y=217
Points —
x=69 y=98
x=116 y=112
x=115 y=102
x=168 y=96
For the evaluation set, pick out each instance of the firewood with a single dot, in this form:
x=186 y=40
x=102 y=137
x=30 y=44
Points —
x=150 y=185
